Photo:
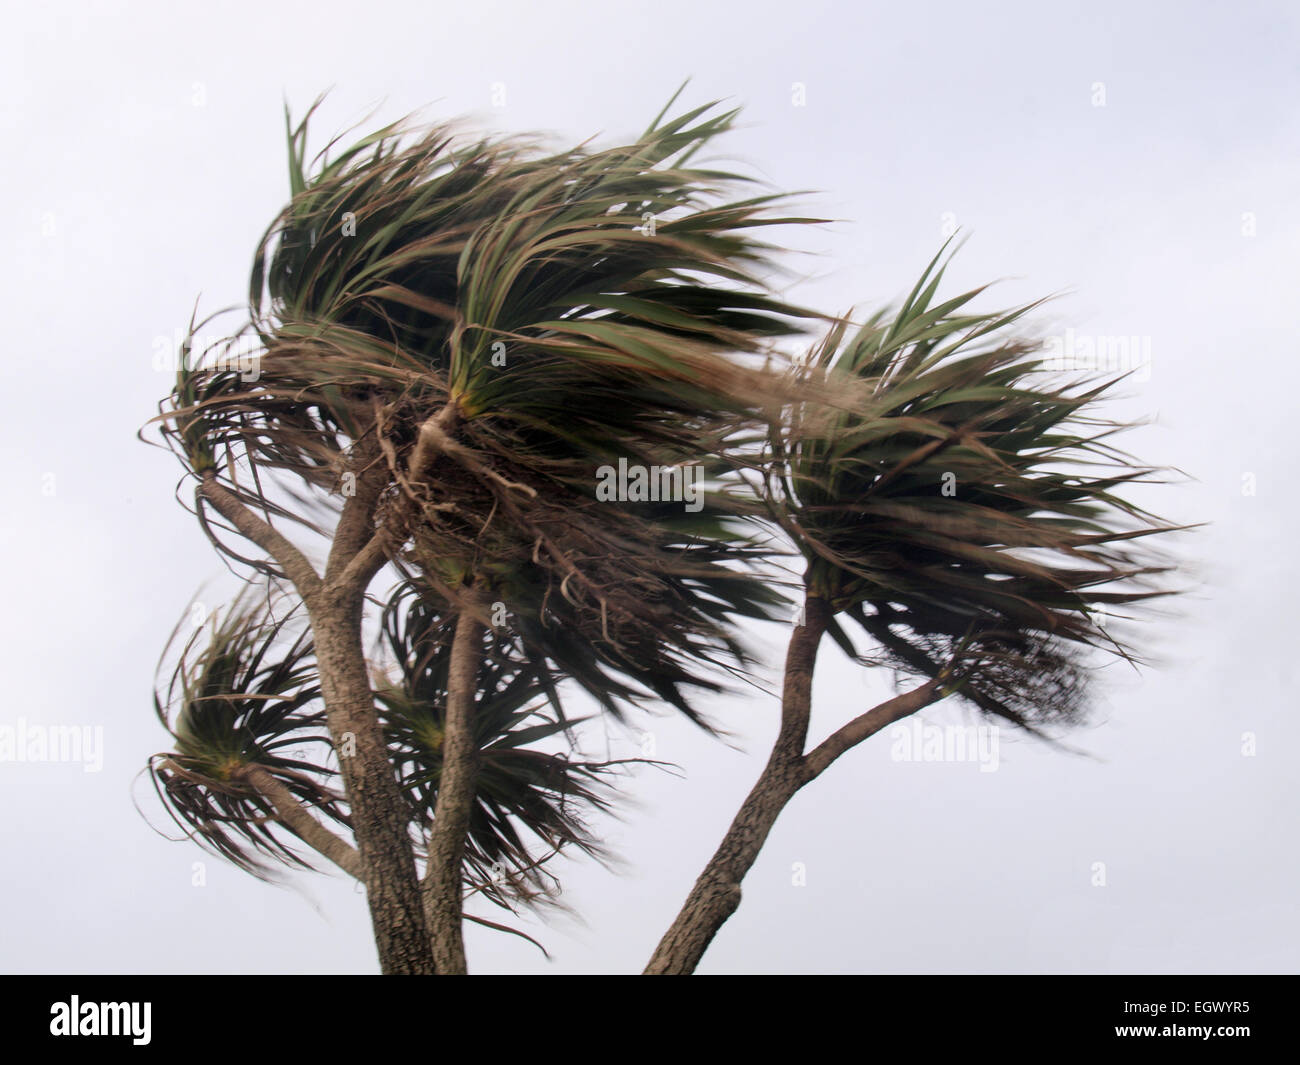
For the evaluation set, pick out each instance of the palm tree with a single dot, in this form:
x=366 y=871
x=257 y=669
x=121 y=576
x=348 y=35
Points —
x=453 y=336
x=965 y=517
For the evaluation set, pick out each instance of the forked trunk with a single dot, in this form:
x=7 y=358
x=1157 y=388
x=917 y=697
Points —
x=716 y=893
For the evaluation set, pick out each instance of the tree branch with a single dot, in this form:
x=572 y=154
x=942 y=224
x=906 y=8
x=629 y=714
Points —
x=360 y=571
x=295 y=817
x=355 y=530
x=455 y=803
x=261 y=532
x=869 y=724
x=796 y=691
x=716 y=894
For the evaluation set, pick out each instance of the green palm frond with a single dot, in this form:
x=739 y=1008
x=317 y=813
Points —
x=530 y=804
x=567 y=310
x=243 y=694
x=395 y=273
x=971 y=503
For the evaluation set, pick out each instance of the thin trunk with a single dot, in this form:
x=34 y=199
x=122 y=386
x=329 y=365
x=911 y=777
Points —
x=456 y=789
x=380 y=820
x=716 y=893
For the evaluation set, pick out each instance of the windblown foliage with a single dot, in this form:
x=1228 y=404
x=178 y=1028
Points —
x=524 y=795
x=967 y=516
x=453 y=335
x=525 y=298
x=249 y=698
x=465 y=331
x=245 y=696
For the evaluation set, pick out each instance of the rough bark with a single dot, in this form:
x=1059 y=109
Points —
x=385 y=856
x=380 y=818
x=358 y=550
x=716 y=893
x=456 y=789
x=295 y=816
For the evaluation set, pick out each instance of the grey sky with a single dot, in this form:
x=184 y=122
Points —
x=146 y=156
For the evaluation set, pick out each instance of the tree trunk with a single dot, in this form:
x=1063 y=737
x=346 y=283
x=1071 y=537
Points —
x=455 y=805
x=380 y=820
x=716 y=893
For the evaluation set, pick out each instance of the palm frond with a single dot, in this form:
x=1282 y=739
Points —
x=244 y=693
x=971 y=502
x=530 y=804
x=565 y=310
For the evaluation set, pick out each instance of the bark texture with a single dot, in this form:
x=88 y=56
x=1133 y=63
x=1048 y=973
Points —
x=716 y=893
x=380 y=818
x=456 y=790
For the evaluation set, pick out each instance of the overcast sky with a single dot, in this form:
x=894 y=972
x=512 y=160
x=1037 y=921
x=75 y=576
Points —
x=1139 y=159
